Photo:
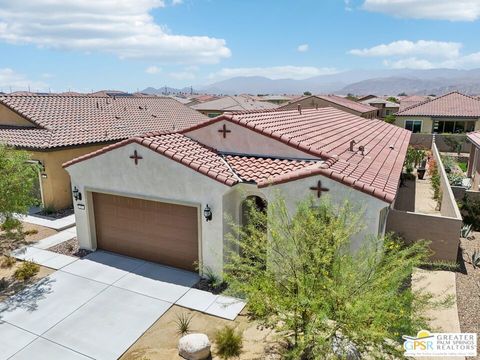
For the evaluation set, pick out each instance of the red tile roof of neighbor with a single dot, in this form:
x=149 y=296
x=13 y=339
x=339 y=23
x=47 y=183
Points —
x=342 y=101
x=474 y=137
x=453 y=104
x=325 y=133
x=59 y=121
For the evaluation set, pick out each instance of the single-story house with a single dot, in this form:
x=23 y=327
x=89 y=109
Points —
x=224 y=104
x=473 y=170
x=166 y=197
x=275 y=99
x=313 y=101
x=57 y=128
x=408 y=101
x=452 y=113
x=384 y=106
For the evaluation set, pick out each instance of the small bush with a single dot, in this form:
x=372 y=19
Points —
x=26 y=271
x=441 y=265
x=470 y=209
x=229 y=343
x=183 y=323
x=4 y=284
x=8 y=261
x=31 y=232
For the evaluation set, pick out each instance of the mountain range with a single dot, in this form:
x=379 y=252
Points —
x=358 y=82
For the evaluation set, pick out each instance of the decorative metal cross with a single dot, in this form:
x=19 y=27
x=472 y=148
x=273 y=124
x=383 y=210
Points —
x=224 y=131
x=136 y=157
x=319 y=189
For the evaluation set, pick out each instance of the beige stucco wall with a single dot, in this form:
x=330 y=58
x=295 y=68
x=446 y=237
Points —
x=243 y=140
x=159 y=178
x=56 y=190
x=474 y=168
x=427 y=123
x=442 y=232
x=11 y=118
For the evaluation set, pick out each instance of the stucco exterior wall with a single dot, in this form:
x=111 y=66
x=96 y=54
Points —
x=442 y=232
x=56 y=190
x=427 y=123
x=366 y=205
x=11 y=118
x=244 y=141
x=474 y=168
x=155 y=178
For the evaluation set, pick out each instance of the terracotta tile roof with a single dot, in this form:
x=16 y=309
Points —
x=326 y=133
x=474 y=137
x=453 y=104
x=76 y=120
x=261 y=169
x=338 y=100
x=234 y=103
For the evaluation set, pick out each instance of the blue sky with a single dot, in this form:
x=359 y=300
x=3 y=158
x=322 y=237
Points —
x=130 y=44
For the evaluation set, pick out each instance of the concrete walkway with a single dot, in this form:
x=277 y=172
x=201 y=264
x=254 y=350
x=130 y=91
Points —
x=441 y=284
x=97 y=307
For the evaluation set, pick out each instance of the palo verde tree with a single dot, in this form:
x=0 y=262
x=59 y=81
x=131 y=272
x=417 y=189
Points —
x=17 y=177
x=304 y=280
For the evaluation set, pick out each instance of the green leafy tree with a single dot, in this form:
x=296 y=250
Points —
x=390 y=119
x=402 y=94
x=352 y=97
x=455 y=142
x=307 y=93
x=304 y=280
x=16 y=193
x=393 y=99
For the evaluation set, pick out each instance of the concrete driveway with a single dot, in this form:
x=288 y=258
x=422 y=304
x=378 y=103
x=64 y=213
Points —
x=96 y=308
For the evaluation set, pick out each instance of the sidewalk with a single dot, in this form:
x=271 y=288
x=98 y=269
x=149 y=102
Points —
x=57 y=224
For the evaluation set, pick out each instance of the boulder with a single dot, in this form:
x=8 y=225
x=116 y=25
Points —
x=194 y=347
x=344 y=348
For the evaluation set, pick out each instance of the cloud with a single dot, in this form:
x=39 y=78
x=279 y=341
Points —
x=462 y=62
x=303 y=48
x=452 y=10
x=409 y=63
x=274 y=72
x=9 y=79
x=409 y=48
x=177 y=2
x=153 y=69
x=123 y=28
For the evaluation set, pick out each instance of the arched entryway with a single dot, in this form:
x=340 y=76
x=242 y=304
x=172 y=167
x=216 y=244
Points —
x=253 y=200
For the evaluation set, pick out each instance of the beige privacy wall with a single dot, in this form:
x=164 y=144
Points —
x=443 y=231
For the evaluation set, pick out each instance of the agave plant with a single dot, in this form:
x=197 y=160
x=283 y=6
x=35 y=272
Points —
x=476 y=259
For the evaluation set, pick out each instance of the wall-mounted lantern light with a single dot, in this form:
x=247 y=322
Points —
x=77 y=195
x=207 y=213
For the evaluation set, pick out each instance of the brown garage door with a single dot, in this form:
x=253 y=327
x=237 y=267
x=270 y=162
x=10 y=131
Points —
x=150 y=230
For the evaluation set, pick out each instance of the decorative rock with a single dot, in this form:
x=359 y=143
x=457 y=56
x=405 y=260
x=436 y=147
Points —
x=194 y=347
x=344 y=348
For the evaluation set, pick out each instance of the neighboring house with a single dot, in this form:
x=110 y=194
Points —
x=341 y=103
x=217 y=107
x=366 y=97
x=407 y=101
x=452 y=113
x=170 y=198
x=55 y=129
x=275 y=99
x=473 y=171
x=384 y=107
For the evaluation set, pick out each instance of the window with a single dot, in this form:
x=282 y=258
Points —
x=457 y=127
x=413 y=125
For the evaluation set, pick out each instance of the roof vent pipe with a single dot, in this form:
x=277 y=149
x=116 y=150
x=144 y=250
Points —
x=353 y=142
x=316 y=106
x=361 y=149
x=299 y=107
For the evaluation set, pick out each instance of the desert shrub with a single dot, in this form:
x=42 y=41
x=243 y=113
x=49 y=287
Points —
x=301 y=279
x=182 y=322
x=7 y=261
x=470 y=209
x=31 y=232
x=390 y=119
x=229 y=343
x=4 y=283
x=455 y=178
x=26 y=271
x=454 y=142
x=448 y=163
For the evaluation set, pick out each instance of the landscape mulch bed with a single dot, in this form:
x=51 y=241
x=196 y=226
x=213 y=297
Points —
x=468 y=288
x=70 y=248
x=58 y=214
